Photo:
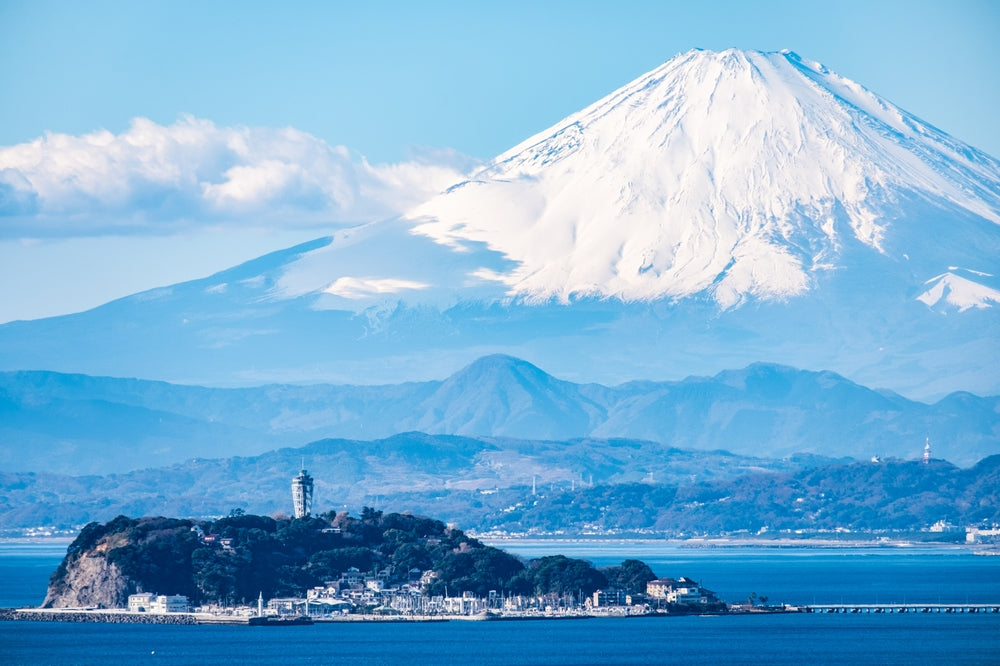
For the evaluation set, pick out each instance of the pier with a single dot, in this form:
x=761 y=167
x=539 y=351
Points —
x=902 y=608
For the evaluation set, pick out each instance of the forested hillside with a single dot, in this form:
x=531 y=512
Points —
x=236 y=558
x=525 y=486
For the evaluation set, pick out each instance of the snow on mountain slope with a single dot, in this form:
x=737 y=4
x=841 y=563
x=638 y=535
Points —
x=380 y=262
x=958 y=291
x=724 y=209
x=736 y=174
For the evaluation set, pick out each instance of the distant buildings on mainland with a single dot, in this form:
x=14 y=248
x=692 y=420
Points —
x=925 y=458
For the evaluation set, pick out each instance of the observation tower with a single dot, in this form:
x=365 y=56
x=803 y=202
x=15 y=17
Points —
x=302 y=493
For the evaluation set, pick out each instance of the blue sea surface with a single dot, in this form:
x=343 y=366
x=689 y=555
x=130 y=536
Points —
x=802 y=575
x=759 y=639
x=25 y=567
x=792 y=575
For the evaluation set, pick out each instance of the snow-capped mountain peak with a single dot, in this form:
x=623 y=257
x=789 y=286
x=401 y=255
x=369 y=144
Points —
x=960 y=289
x=733 y=174
x=617 y=245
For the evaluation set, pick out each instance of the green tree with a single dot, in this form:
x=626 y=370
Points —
x=630 y=576
x=558 y=574
x=216 y=575
x=412 y=556
x=329 y=564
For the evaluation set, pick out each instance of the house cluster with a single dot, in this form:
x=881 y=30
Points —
x=212 y=539
x=355 y=592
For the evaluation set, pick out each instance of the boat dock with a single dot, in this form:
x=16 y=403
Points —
x=902 y=608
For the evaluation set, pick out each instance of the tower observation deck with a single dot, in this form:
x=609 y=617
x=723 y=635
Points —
x=302 y=494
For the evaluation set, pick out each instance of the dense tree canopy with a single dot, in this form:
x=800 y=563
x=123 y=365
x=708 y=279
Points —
x=630 y=576
x=558 y=574
x=234 y=559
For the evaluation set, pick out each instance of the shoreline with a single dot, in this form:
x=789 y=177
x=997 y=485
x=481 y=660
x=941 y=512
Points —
x=121 y=616
x=40 y=540
x=727 y=542
x=694 y=542
x=118 y=616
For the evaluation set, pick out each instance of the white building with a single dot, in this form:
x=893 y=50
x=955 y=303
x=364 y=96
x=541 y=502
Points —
x=977 y=535
x=680 y=591
x=140 y=603
x=145 y=602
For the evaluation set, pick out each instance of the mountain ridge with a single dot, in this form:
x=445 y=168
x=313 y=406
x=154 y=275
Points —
x=582 y=486
x=78 y=424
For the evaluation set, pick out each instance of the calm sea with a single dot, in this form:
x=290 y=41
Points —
x=796 y=575
x=784 y=575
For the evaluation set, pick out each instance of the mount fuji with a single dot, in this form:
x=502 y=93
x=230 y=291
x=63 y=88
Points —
x=723 y=209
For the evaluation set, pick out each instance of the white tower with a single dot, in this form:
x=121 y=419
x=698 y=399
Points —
x=927 y=451
x=302 y=494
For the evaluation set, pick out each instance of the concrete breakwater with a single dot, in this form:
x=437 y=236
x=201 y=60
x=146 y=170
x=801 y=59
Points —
x=112 y=617
x=903 y=608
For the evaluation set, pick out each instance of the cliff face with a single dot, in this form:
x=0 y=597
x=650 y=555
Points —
x=88 y=580
x=106 y=563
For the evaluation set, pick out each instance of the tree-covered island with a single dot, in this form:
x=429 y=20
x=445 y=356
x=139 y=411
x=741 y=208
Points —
x=351 y=564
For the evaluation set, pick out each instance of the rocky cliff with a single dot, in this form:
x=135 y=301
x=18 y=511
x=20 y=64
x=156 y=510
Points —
x=88 y=580
x=106 y=563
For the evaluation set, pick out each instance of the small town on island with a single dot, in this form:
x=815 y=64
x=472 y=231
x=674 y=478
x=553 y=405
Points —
x=376 y=568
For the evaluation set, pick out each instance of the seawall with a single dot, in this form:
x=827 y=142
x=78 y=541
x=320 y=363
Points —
x=113 y=617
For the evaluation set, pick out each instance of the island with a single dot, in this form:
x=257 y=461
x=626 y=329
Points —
x=335 y=566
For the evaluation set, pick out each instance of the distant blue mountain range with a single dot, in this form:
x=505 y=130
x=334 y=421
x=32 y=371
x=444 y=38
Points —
x=78 y=424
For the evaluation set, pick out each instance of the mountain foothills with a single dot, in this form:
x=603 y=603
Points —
x=54 y=423
x=580 y=486
x=723 y=209
x=250 y=555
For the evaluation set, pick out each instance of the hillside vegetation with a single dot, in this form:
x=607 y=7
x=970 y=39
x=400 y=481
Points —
x=236 y=558
x=893 y=496
x=530 y=486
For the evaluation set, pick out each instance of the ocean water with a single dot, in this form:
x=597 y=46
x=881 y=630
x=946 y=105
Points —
x=803 y=575
x=25 y=567
x=775 y=639
x=785 y=575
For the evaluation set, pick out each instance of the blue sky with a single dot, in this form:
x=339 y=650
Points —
x=392 y=98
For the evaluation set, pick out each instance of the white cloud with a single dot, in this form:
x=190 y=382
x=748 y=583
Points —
x=192 y=171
